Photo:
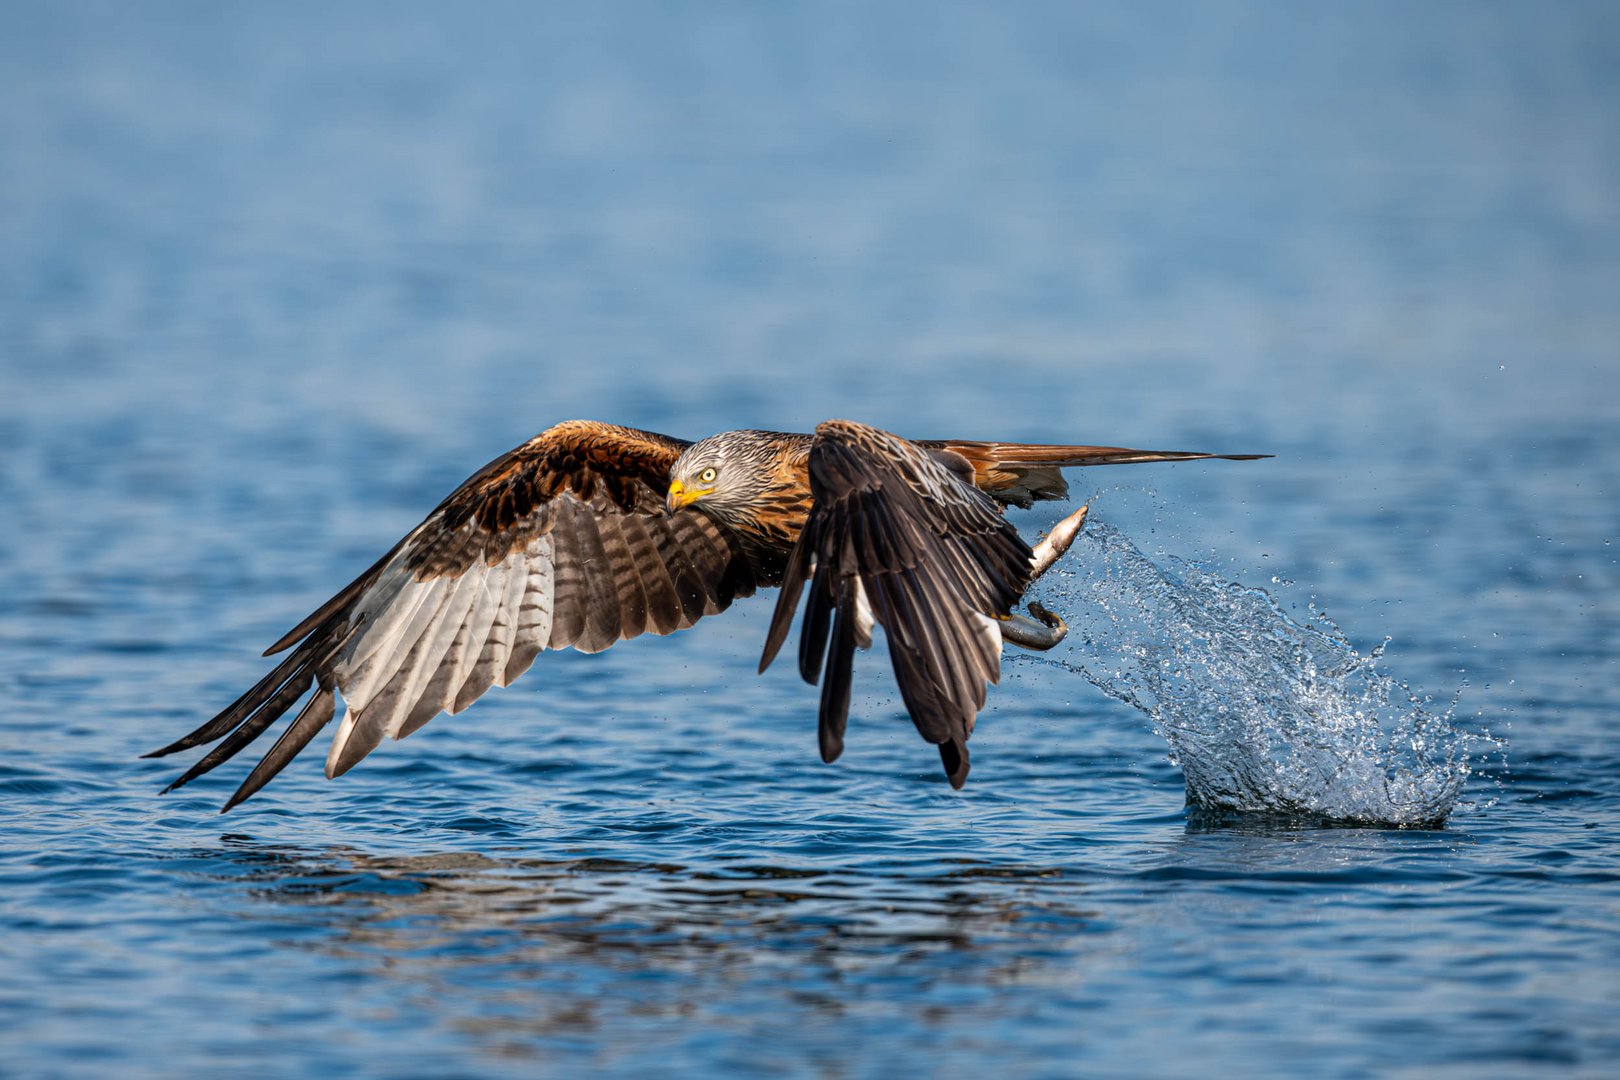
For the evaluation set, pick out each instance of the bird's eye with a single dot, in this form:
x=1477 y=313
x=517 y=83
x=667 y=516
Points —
x=706 y=476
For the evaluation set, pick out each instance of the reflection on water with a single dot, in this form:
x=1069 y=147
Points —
x=520 y=946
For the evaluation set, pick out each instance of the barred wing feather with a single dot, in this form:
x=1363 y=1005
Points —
x=561 y=543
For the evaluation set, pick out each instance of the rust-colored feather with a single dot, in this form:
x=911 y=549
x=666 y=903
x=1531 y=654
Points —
x=1023 y=473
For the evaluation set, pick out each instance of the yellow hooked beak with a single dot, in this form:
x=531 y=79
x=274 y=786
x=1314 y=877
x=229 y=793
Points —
x=680 y=498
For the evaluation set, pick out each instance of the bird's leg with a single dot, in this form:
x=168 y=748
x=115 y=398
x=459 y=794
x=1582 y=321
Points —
x=1046 y=629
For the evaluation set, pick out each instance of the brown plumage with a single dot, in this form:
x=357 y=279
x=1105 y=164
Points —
x=934 y=559
x=591 y=533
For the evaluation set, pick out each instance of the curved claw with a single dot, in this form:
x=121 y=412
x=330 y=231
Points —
x=1029 y=633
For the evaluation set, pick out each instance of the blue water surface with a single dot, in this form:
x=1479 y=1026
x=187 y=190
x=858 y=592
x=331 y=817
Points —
x=274 y=278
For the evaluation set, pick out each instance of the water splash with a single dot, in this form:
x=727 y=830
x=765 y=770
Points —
x=1263 y=713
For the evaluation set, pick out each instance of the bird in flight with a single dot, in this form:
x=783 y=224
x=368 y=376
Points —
x=591 y=533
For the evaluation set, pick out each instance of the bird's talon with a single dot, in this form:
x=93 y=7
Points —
x=1047 y=617
x=1027 y=633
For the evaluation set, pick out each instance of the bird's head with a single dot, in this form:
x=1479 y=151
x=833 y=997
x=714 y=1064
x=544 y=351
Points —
x=726 y=474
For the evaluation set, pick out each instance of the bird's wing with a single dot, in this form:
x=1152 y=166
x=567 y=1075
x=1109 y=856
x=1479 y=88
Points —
x=561 y=542
x=1021 y=473
x=934 y=559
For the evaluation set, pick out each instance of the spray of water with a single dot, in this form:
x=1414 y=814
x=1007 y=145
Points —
x=1263 y=713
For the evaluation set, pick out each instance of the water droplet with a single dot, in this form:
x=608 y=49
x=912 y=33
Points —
x=1263 y=712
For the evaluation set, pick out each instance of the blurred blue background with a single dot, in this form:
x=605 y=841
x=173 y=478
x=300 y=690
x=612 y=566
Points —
x=274 y=278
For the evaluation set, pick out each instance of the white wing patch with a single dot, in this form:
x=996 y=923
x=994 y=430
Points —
x=864 y=619
x=425 y=647
x=533 y=616
x=990 y=642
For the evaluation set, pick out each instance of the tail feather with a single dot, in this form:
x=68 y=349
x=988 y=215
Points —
x=1024 y=473
x=1069 y=457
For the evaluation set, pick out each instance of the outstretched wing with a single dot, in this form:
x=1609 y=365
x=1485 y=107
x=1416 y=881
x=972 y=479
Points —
x=1021 y=473
x=561 y=542
x=893 y=528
